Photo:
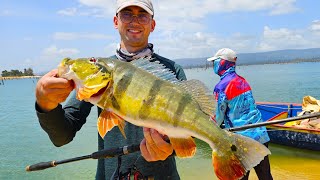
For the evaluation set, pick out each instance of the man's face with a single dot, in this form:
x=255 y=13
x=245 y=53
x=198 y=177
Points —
x=134 y=34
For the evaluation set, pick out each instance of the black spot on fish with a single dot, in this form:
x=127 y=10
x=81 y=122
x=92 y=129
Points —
x=233 y=148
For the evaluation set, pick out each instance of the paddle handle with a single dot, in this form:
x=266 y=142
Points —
x=41 y=166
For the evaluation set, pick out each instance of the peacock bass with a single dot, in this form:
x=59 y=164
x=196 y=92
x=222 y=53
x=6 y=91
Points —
x=147 y=94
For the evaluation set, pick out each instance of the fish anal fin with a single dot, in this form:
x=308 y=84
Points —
x=107 y=120
x=183 y=147
x=230 y=169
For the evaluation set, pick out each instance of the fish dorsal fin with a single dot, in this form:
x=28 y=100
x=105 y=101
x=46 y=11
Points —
x=155 y=68
x=201 y=94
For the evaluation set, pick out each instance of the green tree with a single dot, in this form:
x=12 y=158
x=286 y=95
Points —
x=15 y=72
x=28 y=72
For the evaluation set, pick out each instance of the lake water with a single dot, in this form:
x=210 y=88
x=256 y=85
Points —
x=23 y=142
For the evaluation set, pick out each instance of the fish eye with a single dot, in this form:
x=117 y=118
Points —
x=94 y=60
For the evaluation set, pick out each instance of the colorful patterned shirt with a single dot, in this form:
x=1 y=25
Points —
x=235 y=103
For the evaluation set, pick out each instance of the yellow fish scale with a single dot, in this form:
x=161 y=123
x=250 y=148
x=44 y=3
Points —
x=136 y=100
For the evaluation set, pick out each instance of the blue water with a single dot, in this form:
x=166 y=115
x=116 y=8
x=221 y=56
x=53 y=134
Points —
x=272 y=82
x=23 y=142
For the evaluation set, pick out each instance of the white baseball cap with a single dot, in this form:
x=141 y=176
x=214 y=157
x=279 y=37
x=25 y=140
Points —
x=226 y=54
x=144 y=4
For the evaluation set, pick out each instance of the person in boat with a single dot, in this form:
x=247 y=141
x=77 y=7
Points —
x=134 y=20
x=236 y=105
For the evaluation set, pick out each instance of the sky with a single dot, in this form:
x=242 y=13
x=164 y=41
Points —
x=38 y=34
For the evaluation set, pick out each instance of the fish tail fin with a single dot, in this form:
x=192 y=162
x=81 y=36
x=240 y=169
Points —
x=243 y=154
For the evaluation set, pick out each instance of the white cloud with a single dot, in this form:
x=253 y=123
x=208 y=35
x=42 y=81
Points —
x=80 y=11
x=194 y=9
x=315 y=27
x=68 y=12
x=51 y=57
x=186 y=15
x=77 y=36
x=190 y=9
x=95 y=8
x=198 y=44
x=283 y=38
x=284 y=7
x=53 y=51
x=180 y=30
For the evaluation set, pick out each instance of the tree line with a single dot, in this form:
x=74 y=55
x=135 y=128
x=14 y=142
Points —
x=297 y=60
x=15 y=72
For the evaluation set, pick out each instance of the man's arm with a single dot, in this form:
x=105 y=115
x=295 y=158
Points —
x=180 y=72
x=221 y=108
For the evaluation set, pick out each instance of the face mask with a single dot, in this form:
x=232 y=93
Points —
x=216 y=64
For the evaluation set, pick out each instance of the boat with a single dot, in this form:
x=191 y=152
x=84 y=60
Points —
x=294 y=136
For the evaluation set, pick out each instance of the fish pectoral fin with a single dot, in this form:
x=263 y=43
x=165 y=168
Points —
x=107 y=120
x=183 y=147
x=81 y=95
x=84 y=93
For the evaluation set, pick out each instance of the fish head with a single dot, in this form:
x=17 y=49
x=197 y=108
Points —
x=90 y=76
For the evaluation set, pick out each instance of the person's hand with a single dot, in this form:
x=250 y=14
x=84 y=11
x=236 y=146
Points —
x=51 y=90
x=154 y=147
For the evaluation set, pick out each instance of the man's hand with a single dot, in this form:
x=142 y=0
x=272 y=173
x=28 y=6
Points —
x=51 y=90
x=154 y=147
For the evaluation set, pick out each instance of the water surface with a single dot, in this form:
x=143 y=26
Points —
x=23 y=142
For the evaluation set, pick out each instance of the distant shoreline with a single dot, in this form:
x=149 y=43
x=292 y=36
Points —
x=18 y=77
x=250 y=64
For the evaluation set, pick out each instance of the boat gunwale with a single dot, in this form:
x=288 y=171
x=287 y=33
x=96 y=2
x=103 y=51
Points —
x=291 y=128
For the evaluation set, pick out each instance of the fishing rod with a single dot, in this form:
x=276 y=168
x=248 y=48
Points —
x=116 y=152
x=106 y=153
x=249 y=126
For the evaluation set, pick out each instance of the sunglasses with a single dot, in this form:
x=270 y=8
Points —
x=127 y=17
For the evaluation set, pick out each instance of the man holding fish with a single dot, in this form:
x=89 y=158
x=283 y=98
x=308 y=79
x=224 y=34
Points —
x=141 y=93
x=134 y=21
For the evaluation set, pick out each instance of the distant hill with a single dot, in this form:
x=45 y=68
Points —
x=280 y=56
